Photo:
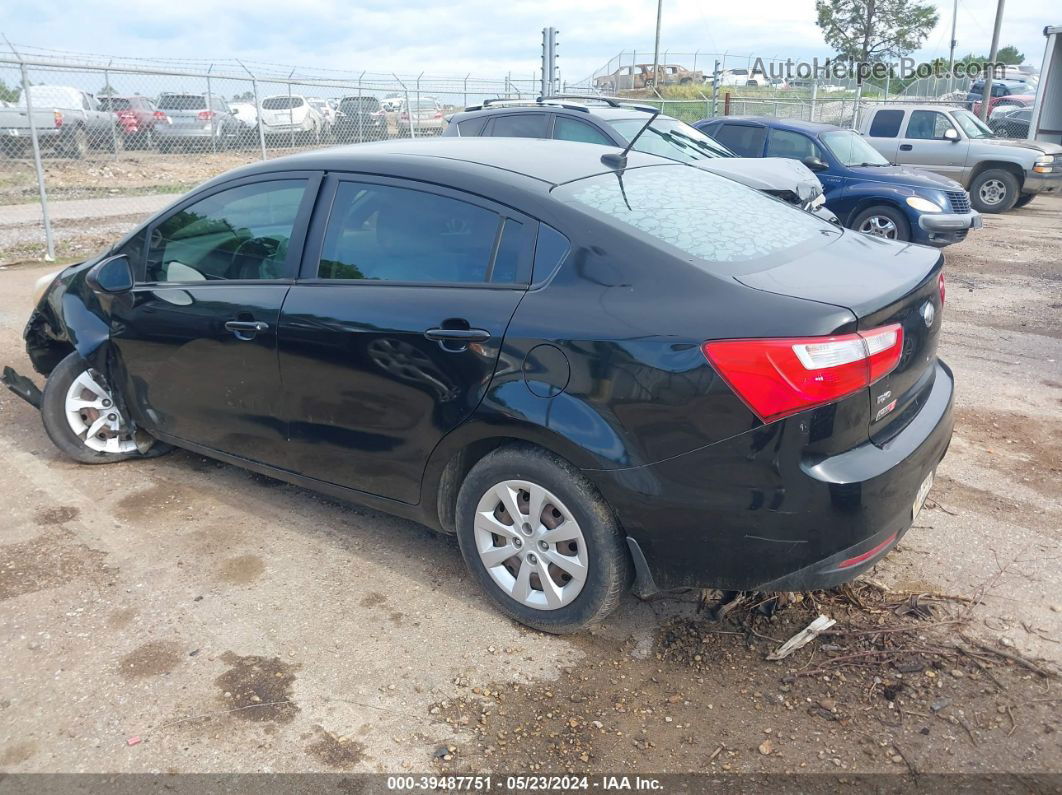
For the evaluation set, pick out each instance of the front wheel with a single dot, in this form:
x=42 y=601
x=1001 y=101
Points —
x=883 y=221
x=82 y=420
x=541 y=541
x=994 y=191
x=1024 y=199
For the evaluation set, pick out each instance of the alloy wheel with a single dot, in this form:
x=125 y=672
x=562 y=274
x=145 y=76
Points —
x=992 y=191
x=531 y=544
x=879 y=226
x=93 y=417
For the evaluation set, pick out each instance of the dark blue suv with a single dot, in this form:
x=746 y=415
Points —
x=862 y=188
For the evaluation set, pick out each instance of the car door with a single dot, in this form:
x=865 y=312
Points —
x=923 y=144
x=797 y=146
x=197 y=337
x=391 y=336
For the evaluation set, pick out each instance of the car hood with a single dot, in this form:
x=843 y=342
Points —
x=767 y=174
x=1043 y=147
x=905 y=175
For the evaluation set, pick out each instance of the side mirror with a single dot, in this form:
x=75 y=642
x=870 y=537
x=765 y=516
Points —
x=951 y=134
x=815 y=163
x=112 y=275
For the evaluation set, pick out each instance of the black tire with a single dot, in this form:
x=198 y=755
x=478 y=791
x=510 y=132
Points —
x=1024 y=199
x=884 y=213
x=992 y=182
x=609 y=570
x=53 y=414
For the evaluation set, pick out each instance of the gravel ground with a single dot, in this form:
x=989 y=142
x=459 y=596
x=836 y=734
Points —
x=232 y=623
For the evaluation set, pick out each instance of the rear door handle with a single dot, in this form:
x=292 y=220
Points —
x=457 y=334
x=906 y=147
x=245 y=329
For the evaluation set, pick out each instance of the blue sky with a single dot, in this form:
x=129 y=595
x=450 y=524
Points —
x=455 y=37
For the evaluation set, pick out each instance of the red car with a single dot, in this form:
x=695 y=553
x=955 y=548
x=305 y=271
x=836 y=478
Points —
x=137 y=117
x=1022 y=100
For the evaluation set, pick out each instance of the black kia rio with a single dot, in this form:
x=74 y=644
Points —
x=596 y=372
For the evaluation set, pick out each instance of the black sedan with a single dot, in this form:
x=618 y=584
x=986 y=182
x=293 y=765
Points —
x=594 y=371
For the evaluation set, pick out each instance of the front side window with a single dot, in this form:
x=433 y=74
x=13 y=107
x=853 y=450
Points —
x=520 y=125
x=971 y=125
x=792 y=145
x=383 y=233
x=565 y=129
x=927 y=125
x=742 y=139
x=239 y=233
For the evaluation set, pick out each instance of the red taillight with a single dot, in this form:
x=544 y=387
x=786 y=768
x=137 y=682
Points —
x=58 y=118
x=127 y=115
x=940 y=286
x=160 y=116
x=438 y=114
x=779 y=377
x=205 y=115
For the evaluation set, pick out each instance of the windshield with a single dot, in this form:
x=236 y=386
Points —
x=182 y=102
x=971 y=125
x=696 y=212
x=849 y=147
x=670 y=138
x=354 y=104
x=114 y=103
x=281 y=103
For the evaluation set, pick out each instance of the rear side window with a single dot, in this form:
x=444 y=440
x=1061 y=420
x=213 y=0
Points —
x=520 y=125
x=182 y=102
x=239 y=233
x=695 y=212
x=886 y=124
x=742 y=139
x=511 y=250
x=281 y=103
x=566 y=129
x=383 y=233
x=550 y=251
x=470 y=128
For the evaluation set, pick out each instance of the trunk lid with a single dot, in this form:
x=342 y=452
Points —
x=881 y=282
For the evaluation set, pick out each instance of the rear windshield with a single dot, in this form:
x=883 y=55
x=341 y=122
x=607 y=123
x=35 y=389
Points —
x=700 y=214
x=670 y=138
x=114 y=103
x=359 y=103
x=182 y=102
x=281 y=103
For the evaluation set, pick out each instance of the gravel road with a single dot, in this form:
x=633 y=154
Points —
x=221 y=621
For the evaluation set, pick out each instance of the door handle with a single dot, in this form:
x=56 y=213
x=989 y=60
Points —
x=457 y=334
x=245 y=329
x=906 y=147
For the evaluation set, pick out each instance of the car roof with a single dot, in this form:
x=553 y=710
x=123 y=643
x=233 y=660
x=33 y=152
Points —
x=552 y=162
x=569 y=108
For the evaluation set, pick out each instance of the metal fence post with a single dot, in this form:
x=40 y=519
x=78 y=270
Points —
x=114 y=117
x=715 y=89
x=409 y=116
x=466 y=90
x=361 y=110
x=49 y=241
x=257 y=109
x=211 y=114
x=291 y=111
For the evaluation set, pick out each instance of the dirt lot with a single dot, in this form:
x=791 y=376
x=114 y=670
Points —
x=231 y=623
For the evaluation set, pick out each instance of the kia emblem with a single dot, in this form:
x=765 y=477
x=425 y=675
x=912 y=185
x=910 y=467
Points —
x=928 y=314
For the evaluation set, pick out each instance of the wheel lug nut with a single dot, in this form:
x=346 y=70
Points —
x=106 y=403
x=531 y=558
x=517 y=543
x=543 y=546
x=112 y=416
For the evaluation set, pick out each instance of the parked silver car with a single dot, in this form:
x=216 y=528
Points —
x=195 y=121
x=999 y=173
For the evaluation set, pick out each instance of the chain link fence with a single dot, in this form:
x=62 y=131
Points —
x=89 y=147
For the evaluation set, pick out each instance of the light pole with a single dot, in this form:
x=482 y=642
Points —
x=986 y=92
x=656 y=47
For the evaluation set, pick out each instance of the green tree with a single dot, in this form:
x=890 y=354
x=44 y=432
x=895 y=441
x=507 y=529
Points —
x=9 y=94
x=874 y=30
x=246 y=96
x=1010 y=55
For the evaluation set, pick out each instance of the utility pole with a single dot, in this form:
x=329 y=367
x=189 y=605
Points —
x=951 y=53
x=656 y=47
x=986 y=92
x=549 y=62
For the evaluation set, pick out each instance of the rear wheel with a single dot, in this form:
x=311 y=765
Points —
x=883 y=221
x=78 y=145
x=82 y=420
x=994 y=190
x=541 y=541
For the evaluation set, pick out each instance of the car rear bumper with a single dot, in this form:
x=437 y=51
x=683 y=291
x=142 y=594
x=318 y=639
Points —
x=187 y=133
x=756 y=512
x=942 y=229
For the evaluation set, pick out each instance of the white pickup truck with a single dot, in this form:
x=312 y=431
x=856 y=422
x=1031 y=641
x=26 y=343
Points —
x=999 y=173
x=68 y=121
